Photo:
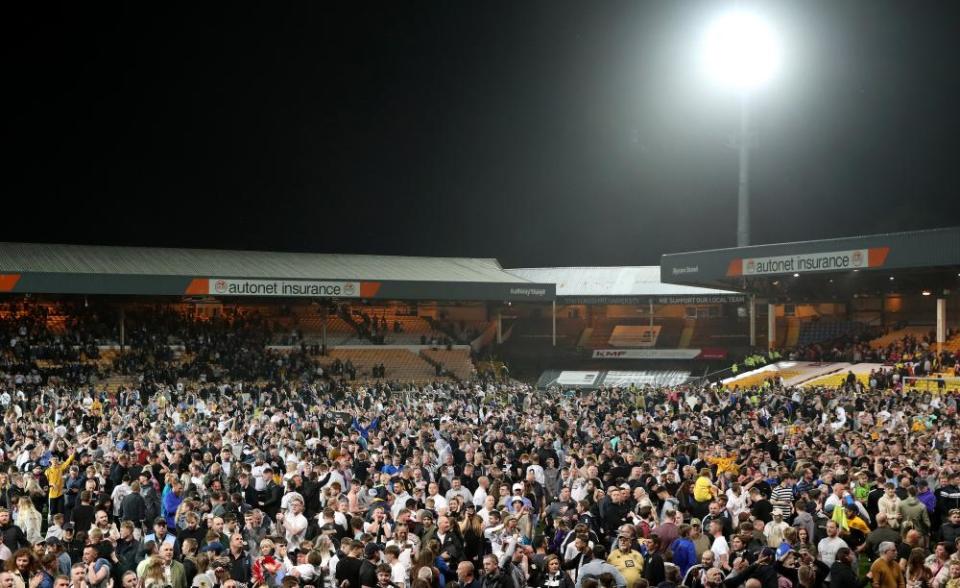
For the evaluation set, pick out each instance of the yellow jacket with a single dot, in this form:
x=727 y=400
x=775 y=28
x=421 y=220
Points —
x=55 y=477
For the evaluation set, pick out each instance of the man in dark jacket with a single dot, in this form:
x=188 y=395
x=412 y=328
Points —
x=842 y=574
x=270 y=496
x=348 y=568
x=133 y=507
x=950 y=530
x=451 y=545
x=493 y=576
x=13 y=537
x=368 y=568
x=948 y=496
x=151 y=499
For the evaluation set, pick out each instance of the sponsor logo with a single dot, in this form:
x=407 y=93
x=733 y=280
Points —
x=645 y=353
x=220 y=286
x=857 y=258
x=690 y=269
x=609 y=353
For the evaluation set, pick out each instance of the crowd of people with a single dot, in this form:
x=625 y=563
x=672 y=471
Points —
x=264 y=474
x=908 y=356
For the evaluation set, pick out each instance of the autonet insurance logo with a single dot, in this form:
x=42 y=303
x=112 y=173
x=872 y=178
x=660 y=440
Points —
x=530 y=292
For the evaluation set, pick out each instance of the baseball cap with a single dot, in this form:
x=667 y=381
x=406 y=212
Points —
x=625 y=486
x=69 y=527
x=160 y=521
x=517 y=486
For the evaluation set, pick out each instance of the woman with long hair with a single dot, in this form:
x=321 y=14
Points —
x=324 y=546
x=804 y=542
x=34 y=491
x=471 y=528
x=917 y=574
x=204 y=578
x=684 y=496
x=425 y=561
x=29 y=520
x=153 y=575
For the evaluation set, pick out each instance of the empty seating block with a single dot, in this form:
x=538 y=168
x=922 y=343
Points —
x=456 y=361
x=400 y=364
x=824 y=330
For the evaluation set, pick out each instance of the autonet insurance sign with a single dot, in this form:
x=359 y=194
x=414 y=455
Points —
x=829 y=261
x=283 y=288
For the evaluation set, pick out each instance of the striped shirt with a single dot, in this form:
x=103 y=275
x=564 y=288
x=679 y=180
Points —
x=782 y=498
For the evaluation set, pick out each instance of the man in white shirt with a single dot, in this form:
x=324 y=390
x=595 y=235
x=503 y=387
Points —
x=259 y=483
x=439 y=502
x=293 y=522
x=480 y=495
x=828 y=546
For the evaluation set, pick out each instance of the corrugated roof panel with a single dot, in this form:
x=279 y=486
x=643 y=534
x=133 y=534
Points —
x=91 y=259
x=608 y=281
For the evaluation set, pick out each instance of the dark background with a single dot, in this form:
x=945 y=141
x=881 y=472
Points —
x=539 y=133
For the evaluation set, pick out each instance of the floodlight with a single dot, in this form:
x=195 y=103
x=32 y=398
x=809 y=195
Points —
x=741 y=50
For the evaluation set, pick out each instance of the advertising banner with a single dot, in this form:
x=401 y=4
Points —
x=646 y=353
x=283 y=288
x=829 y=261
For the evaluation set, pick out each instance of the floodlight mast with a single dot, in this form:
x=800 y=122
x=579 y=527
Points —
x=743 y=190
x=741 y=52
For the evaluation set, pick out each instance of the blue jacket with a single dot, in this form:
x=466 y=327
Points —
x=684 y=554
x=171 y=502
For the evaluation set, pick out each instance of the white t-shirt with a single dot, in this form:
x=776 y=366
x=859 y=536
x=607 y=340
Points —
x=258 y=482
x=720 y=547
x=827 y=549
x=295 y=527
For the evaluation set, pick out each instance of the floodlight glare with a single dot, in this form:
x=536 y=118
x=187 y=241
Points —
x=741 y=50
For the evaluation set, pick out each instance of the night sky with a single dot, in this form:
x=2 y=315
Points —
x=539 y=133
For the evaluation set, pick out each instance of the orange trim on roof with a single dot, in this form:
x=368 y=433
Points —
x=877 y=256
x=198 y=286
x=8 y=281
x=735 y=268
x=369 y=289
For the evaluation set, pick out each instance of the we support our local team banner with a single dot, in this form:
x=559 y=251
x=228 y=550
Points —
x=282 y=288
x=830 y=261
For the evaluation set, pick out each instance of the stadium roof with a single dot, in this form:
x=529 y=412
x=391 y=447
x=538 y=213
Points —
x=627 y=285
x=908 y=262
x=84 y=269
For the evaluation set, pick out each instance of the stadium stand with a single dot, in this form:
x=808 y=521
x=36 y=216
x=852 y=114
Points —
x=897 y=335
x=818 y=331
